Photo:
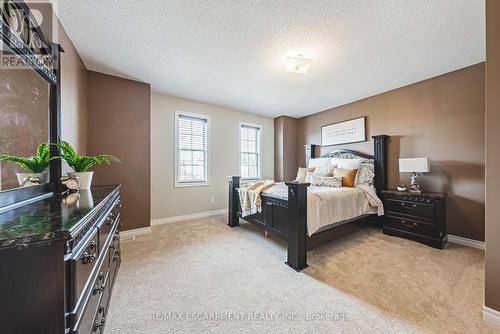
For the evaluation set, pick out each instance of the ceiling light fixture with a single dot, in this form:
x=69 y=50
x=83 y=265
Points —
x=298 y=64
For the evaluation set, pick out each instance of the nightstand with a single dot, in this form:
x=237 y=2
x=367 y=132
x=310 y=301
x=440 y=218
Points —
x=419 y=217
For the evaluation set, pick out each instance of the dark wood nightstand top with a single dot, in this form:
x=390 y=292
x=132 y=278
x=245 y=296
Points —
x=407 y=193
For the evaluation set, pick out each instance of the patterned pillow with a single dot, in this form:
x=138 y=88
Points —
x=326 y=181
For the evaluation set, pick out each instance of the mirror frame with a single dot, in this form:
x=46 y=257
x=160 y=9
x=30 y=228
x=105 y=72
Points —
x=45 y=60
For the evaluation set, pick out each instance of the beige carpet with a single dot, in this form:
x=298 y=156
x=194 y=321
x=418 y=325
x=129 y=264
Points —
x=202 y=276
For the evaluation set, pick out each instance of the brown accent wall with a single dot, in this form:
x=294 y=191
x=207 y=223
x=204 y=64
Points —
x=492 y=253
x=73 y=95
x=441 y=118
x=119 y=124
x=285 y=152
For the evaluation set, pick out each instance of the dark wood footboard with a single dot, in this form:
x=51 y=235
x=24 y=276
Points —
x=286 y=219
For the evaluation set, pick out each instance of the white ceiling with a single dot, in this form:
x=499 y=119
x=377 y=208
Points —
x=230 y=52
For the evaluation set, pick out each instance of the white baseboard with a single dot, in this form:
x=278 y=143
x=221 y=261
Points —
x=466 y=242
x=198 y=215
x=131 y=234
x=490 y=315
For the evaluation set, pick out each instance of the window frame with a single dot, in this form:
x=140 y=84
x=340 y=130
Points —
x=259 y=165
x=178 y=184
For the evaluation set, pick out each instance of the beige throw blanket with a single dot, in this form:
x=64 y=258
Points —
x=327 y=206
x=250 y=200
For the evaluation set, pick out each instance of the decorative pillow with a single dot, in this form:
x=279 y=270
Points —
x=326 y=181
x=327 y=173
x=302 y=172
x=347 y=163
x=364 y=176
x=323 y=165
x=348 y=176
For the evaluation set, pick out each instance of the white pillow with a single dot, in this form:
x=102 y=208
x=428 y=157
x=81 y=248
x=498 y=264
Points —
x=323 y=165
x=347 y=163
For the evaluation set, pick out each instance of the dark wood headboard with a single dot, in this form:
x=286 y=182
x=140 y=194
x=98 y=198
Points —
x=379 y=159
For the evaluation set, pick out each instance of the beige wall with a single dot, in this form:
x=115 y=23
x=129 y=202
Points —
x=168 y=201
x=119 y=124
x=441 y=118
x=493 y=154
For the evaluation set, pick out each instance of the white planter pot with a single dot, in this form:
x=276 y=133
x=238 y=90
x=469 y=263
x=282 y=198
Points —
x=85 y=179
x=44 y=177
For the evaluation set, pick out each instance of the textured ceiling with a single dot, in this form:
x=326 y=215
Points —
x=231 y=53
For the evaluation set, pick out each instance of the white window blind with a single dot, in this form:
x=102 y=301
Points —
x=192 y=149
x=250 y=160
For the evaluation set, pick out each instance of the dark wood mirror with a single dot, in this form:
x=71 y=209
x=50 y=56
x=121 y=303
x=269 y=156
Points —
x=29 y=103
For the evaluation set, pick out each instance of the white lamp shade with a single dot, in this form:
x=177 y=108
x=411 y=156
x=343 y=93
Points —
x=414 y=165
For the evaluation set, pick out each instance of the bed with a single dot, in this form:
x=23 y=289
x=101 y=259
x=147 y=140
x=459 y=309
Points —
x=285 y=207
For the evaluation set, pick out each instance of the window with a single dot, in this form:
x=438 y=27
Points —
x=191 y=146
x=250 y=161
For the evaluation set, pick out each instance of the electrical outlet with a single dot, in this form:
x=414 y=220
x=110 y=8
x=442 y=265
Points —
x=212 y=199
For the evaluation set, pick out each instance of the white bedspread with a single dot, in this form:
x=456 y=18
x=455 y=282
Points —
x=327 y=206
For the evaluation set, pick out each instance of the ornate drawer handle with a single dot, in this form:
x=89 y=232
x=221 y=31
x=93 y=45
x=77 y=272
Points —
x=100 y=277
x=100 y=309
x=116 y=256
x=98 y=289
x=409 y=224
x=92 y=245
x=87 y=258
x=409 y=207
x=98 y=325
x=116 y=237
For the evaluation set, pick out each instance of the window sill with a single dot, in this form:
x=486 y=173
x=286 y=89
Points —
x=194 y=184
x=250 y=180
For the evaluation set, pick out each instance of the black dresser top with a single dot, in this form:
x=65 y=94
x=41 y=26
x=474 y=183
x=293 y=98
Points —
x=52 y=218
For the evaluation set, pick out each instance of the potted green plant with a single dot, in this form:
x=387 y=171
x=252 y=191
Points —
x=35 y=166
x=402 y=187
x=82 y=163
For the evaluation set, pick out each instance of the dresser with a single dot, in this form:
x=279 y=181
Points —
x=419 y=217
x=59 y=258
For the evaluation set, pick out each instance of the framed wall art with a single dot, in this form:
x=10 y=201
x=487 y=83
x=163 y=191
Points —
x=352 y=131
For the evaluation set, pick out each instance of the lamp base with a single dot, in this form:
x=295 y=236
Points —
x=414 y=186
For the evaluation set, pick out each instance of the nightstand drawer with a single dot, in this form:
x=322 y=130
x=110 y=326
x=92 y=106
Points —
x=410 y=225
x=411 y=208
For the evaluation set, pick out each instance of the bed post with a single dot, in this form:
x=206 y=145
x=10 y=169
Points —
x=232 y=219
x=297 y=225
x=380 y=157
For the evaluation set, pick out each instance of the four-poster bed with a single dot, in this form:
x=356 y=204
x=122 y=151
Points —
x=287 y=218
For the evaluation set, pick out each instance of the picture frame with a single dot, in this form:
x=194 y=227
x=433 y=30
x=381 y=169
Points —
x=345 y=132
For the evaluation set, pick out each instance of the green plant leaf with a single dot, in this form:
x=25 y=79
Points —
x=37 y=163
x=82 y=163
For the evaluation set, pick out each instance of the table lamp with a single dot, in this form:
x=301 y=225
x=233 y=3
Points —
x=416 y=166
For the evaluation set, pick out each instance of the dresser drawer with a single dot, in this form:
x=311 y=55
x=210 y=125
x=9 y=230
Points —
x=114 y=256
x=410 y=225
x=81 y=265
x=105 y=226
x=90 y=307
x=411 y=208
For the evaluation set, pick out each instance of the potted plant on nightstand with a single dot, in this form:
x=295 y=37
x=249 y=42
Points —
x=35 y=166
x=402 y=187
x=82 y=163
